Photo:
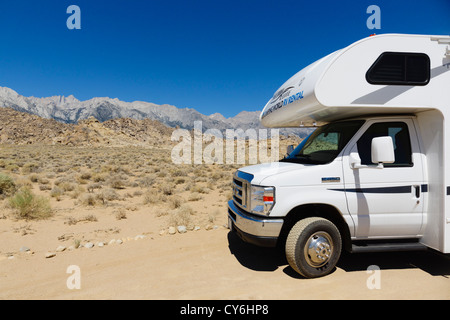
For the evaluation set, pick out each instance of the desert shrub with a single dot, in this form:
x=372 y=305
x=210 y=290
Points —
x=161 y=174
x=43 y=181
x=107 y=195
x=98 y=177
x=120 y=214
x=30 y=167
x=86 y=176
x=56 y=193
x=88 y=199
x=50 y=175
x=181 y=216
x=67 y=186
x=162 y=212
x=179 y=173
x=117 y=182
x=180 y=180
x=7 y=185
x=44 y=187
x=92 y=186
x=212 y=216
x=217 y=175
x=167 y=189
x=150 y=197
x=89 y=218
x=79 y=190
x=22 y=182
x=199 y=189
x=29 y=206
x=34 y=178
x=146 y=182
x=195 y=196
x=175 y=202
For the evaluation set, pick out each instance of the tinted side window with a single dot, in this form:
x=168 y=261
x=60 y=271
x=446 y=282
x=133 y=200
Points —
x=399 y=133
x=397 y=68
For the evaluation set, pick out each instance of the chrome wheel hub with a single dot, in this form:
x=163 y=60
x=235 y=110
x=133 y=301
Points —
x=318 y=249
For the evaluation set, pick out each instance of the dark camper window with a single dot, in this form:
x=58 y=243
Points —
x=397 y=68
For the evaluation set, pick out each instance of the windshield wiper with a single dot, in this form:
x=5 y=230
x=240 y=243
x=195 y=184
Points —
x=303 y=158
x=307 y=156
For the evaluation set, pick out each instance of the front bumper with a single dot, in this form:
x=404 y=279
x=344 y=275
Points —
x=261 y=231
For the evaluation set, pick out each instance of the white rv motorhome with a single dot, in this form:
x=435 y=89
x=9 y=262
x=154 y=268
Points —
x=374 y=175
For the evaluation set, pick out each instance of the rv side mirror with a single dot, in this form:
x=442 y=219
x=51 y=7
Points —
x=382 y=150
x=289 y=149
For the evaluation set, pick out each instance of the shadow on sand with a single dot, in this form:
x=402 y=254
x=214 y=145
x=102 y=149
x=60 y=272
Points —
x=270 y=259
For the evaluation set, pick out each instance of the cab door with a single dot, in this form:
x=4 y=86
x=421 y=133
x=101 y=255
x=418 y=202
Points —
x=385 y=202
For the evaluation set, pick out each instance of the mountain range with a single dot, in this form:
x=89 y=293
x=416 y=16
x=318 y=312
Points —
x=70 y=110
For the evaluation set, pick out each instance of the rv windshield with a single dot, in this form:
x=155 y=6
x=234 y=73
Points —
x=325 y=143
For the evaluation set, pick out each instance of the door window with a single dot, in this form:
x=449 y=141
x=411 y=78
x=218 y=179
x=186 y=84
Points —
x=399 y=133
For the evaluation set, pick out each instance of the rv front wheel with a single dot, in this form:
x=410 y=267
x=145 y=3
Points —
x=313 y=247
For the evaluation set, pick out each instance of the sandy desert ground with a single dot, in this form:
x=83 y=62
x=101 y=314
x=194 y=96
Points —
x=113 y=212
x=215 y=265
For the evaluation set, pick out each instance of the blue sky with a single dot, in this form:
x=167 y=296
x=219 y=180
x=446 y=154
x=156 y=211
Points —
x=210 y=55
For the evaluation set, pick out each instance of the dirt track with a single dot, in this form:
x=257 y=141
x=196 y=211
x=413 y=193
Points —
x=217 y=265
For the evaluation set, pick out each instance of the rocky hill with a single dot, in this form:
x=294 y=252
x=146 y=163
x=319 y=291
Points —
x=21 y=128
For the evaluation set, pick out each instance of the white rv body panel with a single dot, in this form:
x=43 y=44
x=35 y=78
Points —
x=435 y=151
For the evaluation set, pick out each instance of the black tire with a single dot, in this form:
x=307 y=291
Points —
x=313 y=247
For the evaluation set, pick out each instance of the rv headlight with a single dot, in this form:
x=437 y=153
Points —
x=262 y=199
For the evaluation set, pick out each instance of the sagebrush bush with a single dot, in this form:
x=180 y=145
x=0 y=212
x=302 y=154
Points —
x=107 y=195
x=56 y=193
x=117 y=182
x=175 y=202
x=167 y=189
x=150 y=198
x=30 y=206
x=7 y=185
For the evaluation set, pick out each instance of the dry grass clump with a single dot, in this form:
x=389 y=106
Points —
x=120 y=214
x=88 y=218
x=195 y=196
x=88 y=199
x=29 y=206
x=181 y=216
x=197 y=188
x=150 y=197
x=175 y=202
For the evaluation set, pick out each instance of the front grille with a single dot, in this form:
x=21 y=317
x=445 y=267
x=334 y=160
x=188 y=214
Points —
x=238 y=192
x=241 y=187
